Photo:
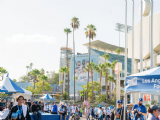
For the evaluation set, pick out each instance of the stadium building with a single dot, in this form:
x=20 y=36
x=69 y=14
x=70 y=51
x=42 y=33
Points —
x=98 y=48
x=145 y=51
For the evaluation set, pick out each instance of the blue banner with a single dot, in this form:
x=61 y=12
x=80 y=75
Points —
x=80 y=73
x=142 y=83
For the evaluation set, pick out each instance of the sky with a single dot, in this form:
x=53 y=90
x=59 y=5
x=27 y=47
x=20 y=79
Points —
x=32 y=31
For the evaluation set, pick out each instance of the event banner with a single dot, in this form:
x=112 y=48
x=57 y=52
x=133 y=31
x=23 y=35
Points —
x=142 y=83
x=80 y=73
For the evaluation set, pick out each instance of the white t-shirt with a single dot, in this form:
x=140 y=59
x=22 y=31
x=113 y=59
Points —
x=104 y=111
x=46 y=108
x=108 y=112
x=73 y=109
x=51 y=107
x=69 y=109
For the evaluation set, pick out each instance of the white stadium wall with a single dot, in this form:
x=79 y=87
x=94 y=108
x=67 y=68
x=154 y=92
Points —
x=146 y=37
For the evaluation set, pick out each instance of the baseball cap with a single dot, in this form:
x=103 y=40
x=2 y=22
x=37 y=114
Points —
x=36 y=102
x=140 y=99
x=119 y=102
x=154 y=107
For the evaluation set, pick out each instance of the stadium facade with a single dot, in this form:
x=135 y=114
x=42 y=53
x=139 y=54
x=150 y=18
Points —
x=98 y=48
x=145 y=51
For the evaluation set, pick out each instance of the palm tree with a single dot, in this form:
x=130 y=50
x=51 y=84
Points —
x=106 y=73
x=113 y=69
x=63 y=70
x=118 y=52
x=99 y=69
x=110 y=79
x=43 y=78
x=90 y=33
x=35 y=73
x=42 y=71
x=90 y=68
x=106 y=57
x=67 y=31
x=107 y=65
x=75 y=25
x=61 y=83
x=24 y=78
x=30 y=66
x=3 y=71
x=27 y=70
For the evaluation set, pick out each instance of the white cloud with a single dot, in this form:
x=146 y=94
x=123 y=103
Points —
x=35 y=38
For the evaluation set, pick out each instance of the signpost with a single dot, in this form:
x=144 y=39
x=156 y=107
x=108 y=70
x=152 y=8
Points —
x=118 y=70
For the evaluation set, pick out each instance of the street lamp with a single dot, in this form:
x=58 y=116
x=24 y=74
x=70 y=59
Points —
x=133 y=39
x=151 y=36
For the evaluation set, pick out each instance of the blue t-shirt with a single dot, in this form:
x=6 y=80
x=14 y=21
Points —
x=141 y=108
x=54 y=108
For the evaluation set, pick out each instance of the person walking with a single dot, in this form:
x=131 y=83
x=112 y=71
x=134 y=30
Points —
x=88 y=113
x=100 y=113
x=154 y=112
x=139 y=110
x=23 y=113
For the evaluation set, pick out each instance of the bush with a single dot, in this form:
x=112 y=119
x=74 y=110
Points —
x=101 y=98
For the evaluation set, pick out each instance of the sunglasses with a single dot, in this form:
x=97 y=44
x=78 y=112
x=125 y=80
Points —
x=119 y=104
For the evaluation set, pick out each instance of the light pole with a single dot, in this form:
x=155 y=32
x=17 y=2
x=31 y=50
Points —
x=151 y=36
x=141 y=34
x=125 y=56
x=133 y=39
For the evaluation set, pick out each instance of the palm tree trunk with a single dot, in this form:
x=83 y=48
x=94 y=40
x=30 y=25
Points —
x=88 y=64
x=43 y=85
x=67 y=65
x=106 y=81
x=100 y=82
x=74 y=67
x=92 y=84
x=110 y=92
x=34 y=81
x=63 y=83
x=2 y=77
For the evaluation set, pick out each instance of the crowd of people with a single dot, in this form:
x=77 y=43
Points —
x=138 y=111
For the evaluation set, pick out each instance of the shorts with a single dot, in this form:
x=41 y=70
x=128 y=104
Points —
x=103 y=115
x=63 y=114
x=108 y=116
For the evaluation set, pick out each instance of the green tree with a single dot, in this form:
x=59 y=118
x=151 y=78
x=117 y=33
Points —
x=42 y=71
x=67 y=31
x=65 y=95
x=118 y=52
x=105 y=70
x=3 y=71
x=39 y=87
x=35 y=73
x=90 y=33
x=61 y=83
x=58 y=96
x=75 y=25
x=53 y=78
x=110 y=79
x=30 y=66
x=89 y=90
x=90 y=68
x=101 y=98
x=113 y=70
x=99 y=69
x=3 y=95
x=27 y=70
x=43 y=78
x=24 y=78
x=14 y=80
x=63 y=70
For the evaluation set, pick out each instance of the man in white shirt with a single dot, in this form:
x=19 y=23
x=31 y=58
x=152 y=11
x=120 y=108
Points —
x=69 y=110
x=108 y=112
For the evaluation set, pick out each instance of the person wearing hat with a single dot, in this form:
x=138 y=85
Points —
x=139 y=110
x=35 y=109
x=154 y=112
x=118 y=113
